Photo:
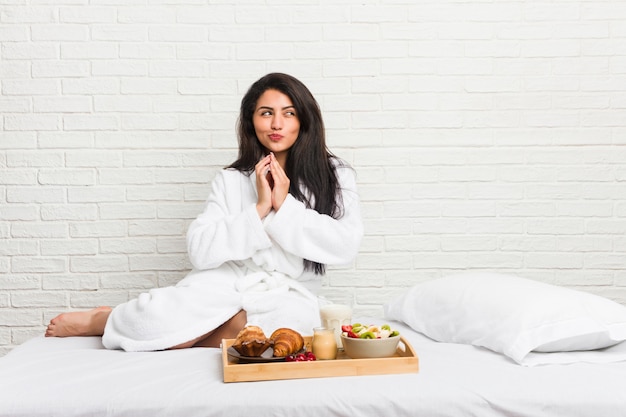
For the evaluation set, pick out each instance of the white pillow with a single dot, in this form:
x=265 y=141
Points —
x=510 y=315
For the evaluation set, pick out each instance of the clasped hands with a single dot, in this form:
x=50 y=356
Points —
x=272 y=185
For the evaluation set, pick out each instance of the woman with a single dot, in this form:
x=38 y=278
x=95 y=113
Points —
x=274 y=219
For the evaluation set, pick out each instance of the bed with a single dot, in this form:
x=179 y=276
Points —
x=78 y=377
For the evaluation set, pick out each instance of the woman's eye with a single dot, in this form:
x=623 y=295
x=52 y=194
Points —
x=266 y=113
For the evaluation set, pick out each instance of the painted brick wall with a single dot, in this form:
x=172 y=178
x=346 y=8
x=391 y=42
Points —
x=486 y=136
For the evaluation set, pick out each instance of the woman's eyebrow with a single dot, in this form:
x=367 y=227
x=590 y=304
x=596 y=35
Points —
x=271 y=108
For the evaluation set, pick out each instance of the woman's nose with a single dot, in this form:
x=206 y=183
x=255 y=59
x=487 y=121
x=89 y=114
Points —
x=277 y=122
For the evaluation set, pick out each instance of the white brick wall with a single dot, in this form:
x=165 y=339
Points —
x=486 y=136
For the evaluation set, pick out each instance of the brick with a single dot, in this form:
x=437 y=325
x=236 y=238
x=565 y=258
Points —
x=113 y=211
x=206 y=86
x=411 y=244
x=351 y=68
x=13 y=33
x=550 y=12
x=181 y=176
x=178 y=69
x=149 y=122
x=469 y=209
x=59 y=32
x=91 y=86
x=128 y=246
x=156 y=228
x=97 y=229
x=20 y=282
x=67 y=177
x=182 y=105
x=608 y=10
x=100 y=263
x=120 y=33
x=92 y=14
x=37 y=230
x=35 y=195
x=93 y=158
x=159 y=263
x=553 y=260
x=70 y=282
x=38 y=299
x=412 y=209
x=162 y=193
x=36 y=159
x=17 y=176
x=61 y=105
x=90 y=122
x=15 y=247
x=17 y=212
x=177 y=211
x=172 y=245
x=13 y=69
x=145 y=14
x=528 y=243
x=393 y=226
x=469 y=243
x=178 y=33
x=95 y=195
x=14 y=105
x=118 y=67
x=34 y=51
x=134 y=281
x=5 y=337
x=19 y=336
x=151 y=85
x=37 y=264
x=442 y=260
x=606 y=226
x=31 y=122
x=69 y=247
x=584 y=243
x=20 y=317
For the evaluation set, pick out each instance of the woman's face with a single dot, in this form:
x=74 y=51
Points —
x=276 y=123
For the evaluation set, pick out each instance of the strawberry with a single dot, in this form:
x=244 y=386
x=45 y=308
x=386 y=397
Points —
x=346 y=328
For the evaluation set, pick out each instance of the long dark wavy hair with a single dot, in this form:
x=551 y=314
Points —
x=310 y=165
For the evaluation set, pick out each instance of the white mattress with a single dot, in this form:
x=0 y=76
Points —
x=78 y=377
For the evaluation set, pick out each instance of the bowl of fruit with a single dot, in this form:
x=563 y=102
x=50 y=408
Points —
x=369 y=341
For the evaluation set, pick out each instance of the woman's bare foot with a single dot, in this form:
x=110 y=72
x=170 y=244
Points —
x=79 y=323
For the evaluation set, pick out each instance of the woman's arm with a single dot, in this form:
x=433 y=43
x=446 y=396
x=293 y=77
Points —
x=318 y=237
x=217 y=235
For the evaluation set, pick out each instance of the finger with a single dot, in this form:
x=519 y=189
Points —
x=277 y=170
x=262 y=167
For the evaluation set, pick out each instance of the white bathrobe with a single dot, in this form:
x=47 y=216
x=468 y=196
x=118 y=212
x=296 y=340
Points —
x=242 y=262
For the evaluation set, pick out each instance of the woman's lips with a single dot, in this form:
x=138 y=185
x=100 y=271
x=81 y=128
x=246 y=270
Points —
x=276 y=137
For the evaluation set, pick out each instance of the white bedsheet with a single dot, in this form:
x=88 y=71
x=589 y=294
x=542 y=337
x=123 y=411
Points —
x=78 y=377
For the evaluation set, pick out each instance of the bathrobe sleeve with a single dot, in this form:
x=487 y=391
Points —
x=319 y=237
x=229 y=229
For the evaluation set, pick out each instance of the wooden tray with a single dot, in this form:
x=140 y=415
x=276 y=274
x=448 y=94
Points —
x=404 y=361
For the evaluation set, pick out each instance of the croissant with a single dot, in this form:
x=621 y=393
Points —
x=286 y=342
x=251 y=341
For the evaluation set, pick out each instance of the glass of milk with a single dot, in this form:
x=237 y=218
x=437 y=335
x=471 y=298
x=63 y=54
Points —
x=336 y=311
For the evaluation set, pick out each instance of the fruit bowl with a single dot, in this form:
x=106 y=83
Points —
x=370 y=348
